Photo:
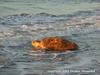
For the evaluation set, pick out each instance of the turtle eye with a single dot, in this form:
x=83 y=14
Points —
x=37 y=41
x=38 y=46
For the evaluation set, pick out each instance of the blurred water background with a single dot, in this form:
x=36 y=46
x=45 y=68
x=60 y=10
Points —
x=22 y=21
x=56 y=7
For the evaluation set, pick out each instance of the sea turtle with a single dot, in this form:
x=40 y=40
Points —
x=54 y=44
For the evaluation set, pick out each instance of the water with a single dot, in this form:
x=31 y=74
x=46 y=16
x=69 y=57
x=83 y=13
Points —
x=20 y=24
x=10 y=7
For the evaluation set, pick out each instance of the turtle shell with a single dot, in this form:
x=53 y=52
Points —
x=57 y=44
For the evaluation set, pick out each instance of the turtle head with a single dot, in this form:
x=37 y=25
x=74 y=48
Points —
x=37 y=44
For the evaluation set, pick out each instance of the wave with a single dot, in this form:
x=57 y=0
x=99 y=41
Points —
x=25 y=18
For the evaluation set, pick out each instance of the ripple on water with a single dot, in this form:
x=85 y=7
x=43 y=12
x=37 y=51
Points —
x=17 y=56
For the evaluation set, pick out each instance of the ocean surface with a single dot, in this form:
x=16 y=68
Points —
x=22 y=21
x=55 y=7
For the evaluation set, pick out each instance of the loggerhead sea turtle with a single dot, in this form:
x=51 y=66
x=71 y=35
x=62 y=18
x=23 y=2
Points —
x=54 y=44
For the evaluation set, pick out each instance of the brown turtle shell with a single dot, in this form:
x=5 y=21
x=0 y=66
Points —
x=55 y=44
